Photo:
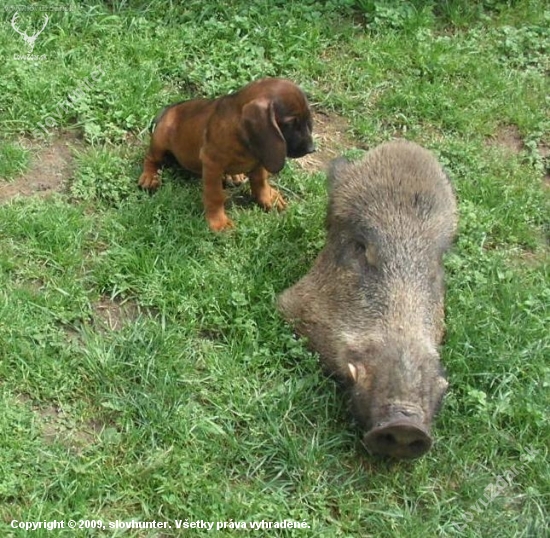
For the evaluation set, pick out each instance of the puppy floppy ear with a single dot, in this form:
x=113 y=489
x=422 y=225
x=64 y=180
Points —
x=263 y=133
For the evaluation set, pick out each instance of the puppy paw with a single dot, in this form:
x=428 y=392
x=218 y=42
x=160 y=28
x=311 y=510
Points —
x=272 y=199
x=219 y=223
x=234 y=180
x=238 y=179
x=149 y=182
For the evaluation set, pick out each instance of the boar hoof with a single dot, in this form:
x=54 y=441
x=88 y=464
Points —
x=398 y=439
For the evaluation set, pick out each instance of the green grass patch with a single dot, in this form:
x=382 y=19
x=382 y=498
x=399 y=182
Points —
x=144 y=372
x=14 y=160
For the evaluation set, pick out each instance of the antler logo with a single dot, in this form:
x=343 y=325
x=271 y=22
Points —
x=29 y=40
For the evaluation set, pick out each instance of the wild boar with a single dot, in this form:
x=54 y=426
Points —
x=372 y=304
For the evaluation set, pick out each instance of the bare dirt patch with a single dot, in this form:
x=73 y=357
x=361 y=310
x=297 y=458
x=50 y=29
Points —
x=331 y=136
x=507 y=137
x=544 y=150
x=107 y=316
x=58 y=427
x=113 y=315
x=51 y=166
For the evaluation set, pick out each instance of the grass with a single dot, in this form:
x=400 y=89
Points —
x=144 y=372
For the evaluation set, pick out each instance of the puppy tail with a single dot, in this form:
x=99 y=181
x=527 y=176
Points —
x=154 y=122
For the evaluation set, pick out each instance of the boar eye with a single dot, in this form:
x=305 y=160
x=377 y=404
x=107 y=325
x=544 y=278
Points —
x=369 y=251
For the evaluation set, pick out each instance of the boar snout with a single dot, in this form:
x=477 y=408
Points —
x=400 y=439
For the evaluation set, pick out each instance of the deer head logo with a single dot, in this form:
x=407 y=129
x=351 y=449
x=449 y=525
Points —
x=29 y=40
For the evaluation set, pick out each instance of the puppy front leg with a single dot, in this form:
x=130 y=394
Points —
x=214 y=198
x=265 y=194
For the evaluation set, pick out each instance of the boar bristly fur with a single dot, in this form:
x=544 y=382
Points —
x=372 y=304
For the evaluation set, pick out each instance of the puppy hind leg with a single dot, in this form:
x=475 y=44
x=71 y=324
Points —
x=149 y=178
x=266 y=196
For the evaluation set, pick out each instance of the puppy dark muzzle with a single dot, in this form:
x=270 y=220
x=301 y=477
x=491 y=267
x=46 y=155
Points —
x=295 y=153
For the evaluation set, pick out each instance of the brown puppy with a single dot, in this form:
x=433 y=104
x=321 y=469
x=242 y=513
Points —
x=248 y=132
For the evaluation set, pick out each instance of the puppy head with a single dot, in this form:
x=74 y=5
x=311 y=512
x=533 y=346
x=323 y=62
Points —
x=279 y=126
x=293 y=117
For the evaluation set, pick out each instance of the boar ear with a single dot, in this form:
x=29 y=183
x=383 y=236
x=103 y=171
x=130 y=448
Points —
x=264 y=136
x=335 y=170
